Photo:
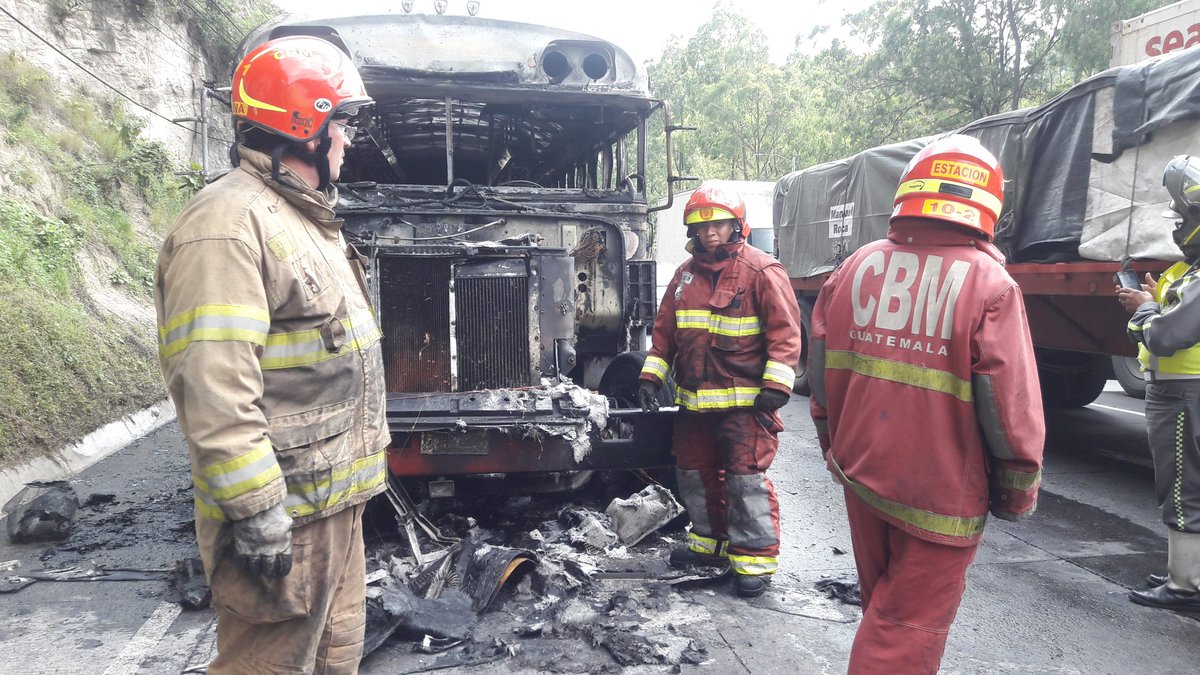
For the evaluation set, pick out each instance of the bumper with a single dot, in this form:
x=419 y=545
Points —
x=532 y=430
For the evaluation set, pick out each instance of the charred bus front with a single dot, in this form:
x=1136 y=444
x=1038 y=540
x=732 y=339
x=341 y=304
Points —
x=498 y=192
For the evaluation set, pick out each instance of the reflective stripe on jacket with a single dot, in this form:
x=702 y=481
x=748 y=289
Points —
x=271 y=352
x=1167 y=331
x=729 y=339
x=925 y=387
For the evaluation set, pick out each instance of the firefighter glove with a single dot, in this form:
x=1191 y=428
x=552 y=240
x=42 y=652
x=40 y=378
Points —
x=648 y=396
x=770 y=400
x=262 y=543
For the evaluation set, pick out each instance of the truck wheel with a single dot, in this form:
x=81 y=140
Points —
x=1129 y=375
x=801 y=386
x=1070 y=379
x=620 y=381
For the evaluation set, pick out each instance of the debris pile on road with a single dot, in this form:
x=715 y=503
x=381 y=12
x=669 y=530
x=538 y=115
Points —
x=41 y=511
x=844 y=590
x=568 y=591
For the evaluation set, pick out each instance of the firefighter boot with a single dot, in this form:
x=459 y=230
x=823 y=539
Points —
x=683 y=556
x=751 y=585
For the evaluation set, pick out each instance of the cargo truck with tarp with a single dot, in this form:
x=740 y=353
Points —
x=498 y=198
x=1083 y=198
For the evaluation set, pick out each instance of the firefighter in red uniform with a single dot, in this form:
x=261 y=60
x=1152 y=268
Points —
x=925 y=396
x=730 y=326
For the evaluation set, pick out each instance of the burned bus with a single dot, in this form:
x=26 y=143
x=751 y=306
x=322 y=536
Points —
x=499 y=195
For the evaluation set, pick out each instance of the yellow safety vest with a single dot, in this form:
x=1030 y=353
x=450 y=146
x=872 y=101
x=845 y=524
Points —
x=1184 y=361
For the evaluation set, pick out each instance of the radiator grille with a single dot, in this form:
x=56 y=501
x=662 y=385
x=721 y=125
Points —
x=493 y=332
x=414 y=304
x=491 y=327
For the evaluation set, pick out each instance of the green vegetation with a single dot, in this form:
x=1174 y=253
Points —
x=69 y=366
x=908 y=68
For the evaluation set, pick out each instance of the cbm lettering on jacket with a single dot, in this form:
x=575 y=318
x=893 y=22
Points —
x=925 y=387
x=271 y=352
x=729 y=340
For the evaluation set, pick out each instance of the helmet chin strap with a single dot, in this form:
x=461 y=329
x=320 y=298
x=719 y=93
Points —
x=318 y=159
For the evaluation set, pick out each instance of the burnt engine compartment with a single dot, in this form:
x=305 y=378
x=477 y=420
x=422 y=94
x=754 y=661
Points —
x=454 y=321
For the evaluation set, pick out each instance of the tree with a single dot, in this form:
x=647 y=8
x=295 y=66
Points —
x=721 y=82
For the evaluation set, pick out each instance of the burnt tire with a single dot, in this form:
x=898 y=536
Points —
x=802 y=386
x=620 y=381
x=1129 y=375
x=1070 y=379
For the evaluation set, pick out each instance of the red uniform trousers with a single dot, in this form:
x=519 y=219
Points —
x=721 y=459
x=911 y=589
x=311 y=621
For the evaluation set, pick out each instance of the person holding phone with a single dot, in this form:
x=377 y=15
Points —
x=1166 y=327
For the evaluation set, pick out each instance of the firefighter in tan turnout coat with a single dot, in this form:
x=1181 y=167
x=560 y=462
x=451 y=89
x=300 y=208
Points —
x=271 y=353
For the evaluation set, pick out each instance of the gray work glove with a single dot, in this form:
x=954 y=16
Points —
x=648 y=396
x=262 y=543
x=770 y=400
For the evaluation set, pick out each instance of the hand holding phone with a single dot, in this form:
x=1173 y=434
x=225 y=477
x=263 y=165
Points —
x=1128 y=279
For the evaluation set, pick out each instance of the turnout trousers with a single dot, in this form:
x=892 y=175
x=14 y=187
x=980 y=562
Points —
x=721 y=461
x=1172 y=411
x=311 y=621
x=911 y=589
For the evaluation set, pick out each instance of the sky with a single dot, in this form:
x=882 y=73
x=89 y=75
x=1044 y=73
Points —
x=641 y=27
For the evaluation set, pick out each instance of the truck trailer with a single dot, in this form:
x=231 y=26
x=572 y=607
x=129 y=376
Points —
x=1083 y=198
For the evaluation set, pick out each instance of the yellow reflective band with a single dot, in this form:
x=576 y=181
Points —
x=1135 y=327
x=703 y=319
x=656 y=366
x=754 y=565
x=950 y=526
x=215 y=323
x=363 y=475
x=204 y=508
x=716 y=399
x=780 y=373
x=1017 y=480
x=702 y=544
x=232 y=490
x=707 y=215
x=981 y=197
x=307 y=347
x=903 y=373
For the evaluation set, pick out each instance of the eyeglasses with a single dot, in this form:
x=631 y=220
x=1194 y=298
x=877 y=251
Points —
x=348 y=131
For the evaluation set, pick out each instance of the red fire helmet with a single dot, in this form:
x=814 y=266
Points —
x=712 y=202
x=292 y=86
x=954 y=179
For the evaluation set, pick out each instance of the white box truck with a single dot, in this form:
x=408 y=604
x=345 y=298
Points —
x=1162 y=31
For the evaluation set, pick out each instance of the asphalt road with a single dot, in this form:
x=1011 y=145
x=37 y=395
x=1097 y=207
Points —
x=1045 y=596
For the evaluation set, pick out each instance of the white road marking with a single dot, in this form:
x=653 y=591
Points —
x=1116 y=409
x=130 y=658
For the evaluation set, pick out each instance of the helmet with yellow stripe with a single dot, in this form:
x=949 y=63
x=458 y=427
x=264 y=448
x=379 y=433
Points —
x=713 y=202
x=953 y=179
x=292 y=86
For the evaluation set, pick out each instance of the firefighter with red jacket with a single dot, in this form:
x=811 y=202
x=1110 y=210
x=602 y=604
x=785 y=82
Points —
x=730 y=327
x=926 y=401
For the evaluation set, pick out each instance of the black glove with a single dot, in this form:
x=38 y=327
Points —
x=770 y=400
x=262 y=543
x=648 y=396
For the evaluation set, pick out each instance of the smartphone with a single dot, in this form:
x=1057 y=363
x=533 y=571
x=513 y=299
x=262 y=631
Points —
x=1128 y=279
